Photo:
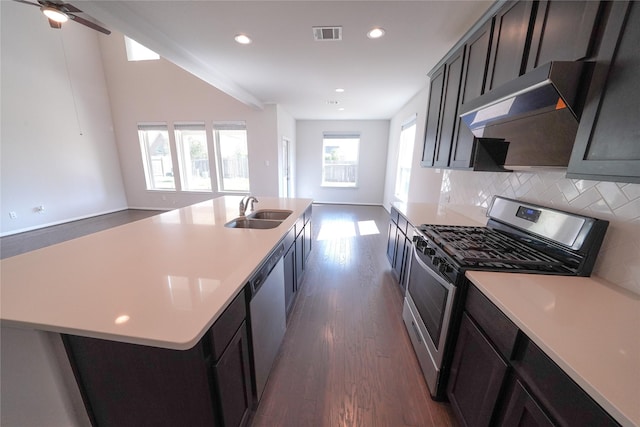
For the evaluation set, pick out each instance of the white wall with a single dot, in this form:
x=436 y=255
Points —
x=159 y=91
x=374 y=136
x=286 y=129
x=424 y=185
x=57 y=142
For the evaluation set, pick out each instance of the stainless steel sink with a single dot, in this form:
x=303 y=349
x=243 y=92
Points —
x=246 y=222
x=271 y=214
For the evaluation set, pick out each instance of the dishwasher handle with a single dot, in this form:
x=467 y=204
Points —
x=258 y=279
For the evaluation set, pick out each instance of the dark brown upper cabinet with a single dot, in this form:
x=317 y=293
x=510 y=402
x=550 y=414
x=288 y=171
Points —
x=476 y=61
x=434 y=108
x=446 y=89
x=509 y=44
x=607 y=145
x=563 y=31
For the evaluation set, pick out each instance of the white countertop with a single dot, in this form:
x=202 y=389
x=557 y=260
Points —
x=431 y=213
x=160 y=281
x=589 y=327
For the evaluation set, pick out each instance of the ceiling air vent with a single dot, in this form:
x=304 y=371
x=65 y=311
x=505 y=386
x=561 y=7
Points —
x=327 y=33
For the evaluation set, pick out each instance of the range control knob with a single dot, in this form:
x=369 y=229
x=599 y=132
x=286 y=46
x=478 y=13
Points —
x=445 y=267
x=436 y=261
x=429 y=251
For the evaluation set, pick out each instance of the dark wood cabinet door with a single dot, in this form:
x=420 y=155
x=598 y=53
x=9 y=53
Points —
x=451 y=94
x=436 y=86
x=399 y=258
x=523 y=411
x=299 y=258
x=233 y=381
x=391 y=242
x=563 y=31
x=477 y=375
x=408 y=248
x=472 y=86
x=508 y=47
x=289 y=261
x=307 y=242
x=607 y=144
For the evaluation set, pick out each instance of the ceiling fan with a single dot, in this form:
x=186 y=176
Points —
x=58 y=13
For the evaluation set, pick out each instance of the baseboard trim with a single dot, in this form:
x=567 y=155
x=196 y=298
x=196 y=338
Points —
x=64 y=221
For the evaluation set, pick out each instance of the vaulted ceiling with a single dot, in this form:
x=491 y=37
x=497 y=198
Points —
x=284 y=64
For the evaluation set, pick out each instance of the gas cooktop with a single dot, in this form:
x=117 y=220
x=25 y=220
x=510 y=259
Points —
x=472 y=246
x=520 y=237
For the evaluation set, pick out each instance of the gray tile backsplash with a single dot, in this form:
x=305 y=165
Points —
x=619 y=203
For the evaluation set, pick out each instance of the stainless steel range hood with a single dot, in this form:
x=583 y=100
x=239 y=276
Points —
x=537 y=114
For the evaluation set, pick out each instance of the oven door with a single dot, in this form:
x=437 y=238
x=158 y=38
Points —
x=427 y=314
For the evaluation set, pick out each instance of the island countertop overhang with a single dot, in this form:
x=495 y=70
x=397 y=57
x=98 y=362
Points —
x=161 y=281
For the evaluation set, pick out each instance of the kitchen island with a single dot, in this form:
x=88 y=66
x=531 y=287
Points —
x=162 y=282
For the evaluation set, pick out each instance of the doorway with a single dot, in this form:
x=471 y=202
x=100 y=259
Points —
x=286 y=187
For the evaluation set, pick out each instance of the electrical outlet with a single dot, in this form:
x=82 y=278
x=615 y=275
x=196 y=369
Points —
x=39 y=209
x=13 y=215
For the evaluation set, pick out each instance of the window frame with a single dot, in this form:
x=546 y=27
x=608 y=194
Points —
x=217 y=127
x=409 y=123
x=327 y=136
x=185 y=178
x=147 y=161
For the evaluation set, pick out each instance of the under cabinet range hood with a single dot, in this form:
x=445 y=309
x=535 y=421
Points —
x=537 y=114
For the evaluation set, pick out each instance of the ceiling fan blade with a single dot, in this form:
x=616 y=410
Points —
x=89 y=24
x=27 y=2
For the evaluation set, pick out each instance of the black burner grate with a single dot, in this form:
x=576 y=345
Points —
x=472 y=246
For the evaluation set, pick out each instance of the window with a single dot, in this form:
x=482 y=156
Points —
x=193 y=155
x=405 y=157
x=340 y=160
x=137 y=52
x=156 y=156
x=232 y=156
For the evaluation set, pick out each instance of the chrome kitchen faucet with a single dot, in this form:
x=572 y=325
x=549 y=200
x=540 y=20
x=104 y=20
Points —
x=244 y=203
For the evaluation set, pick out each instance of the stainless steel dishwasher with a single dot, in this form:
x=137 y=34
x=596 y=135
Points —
x=268 y=316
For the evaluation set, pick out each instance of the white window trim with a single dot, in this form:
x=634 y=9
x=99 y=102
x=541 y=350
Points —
x=341 y=135
x=227 y=125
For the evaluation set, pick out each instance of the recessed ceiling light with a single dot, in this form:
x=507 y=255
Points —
x=341 y=109
x=375 y=33
x=339 y=90
x=242 y=39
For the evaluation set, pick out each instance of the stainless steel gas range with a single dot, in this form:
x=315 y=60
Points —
x=519 y=237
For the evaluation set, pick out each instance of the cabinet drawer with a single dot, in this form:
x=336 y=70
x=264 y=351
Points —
x=222 y=332
x=299 y=225
x=307 y=214
x=402 y=224
x=500 y=330
x=563 y=399
x=289 y=238
x=394 y=215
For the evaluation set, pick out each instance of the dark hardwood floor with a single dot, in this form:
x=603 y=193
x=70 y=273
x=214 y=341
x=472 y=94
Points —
x=17 y=244
x=346 y=359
